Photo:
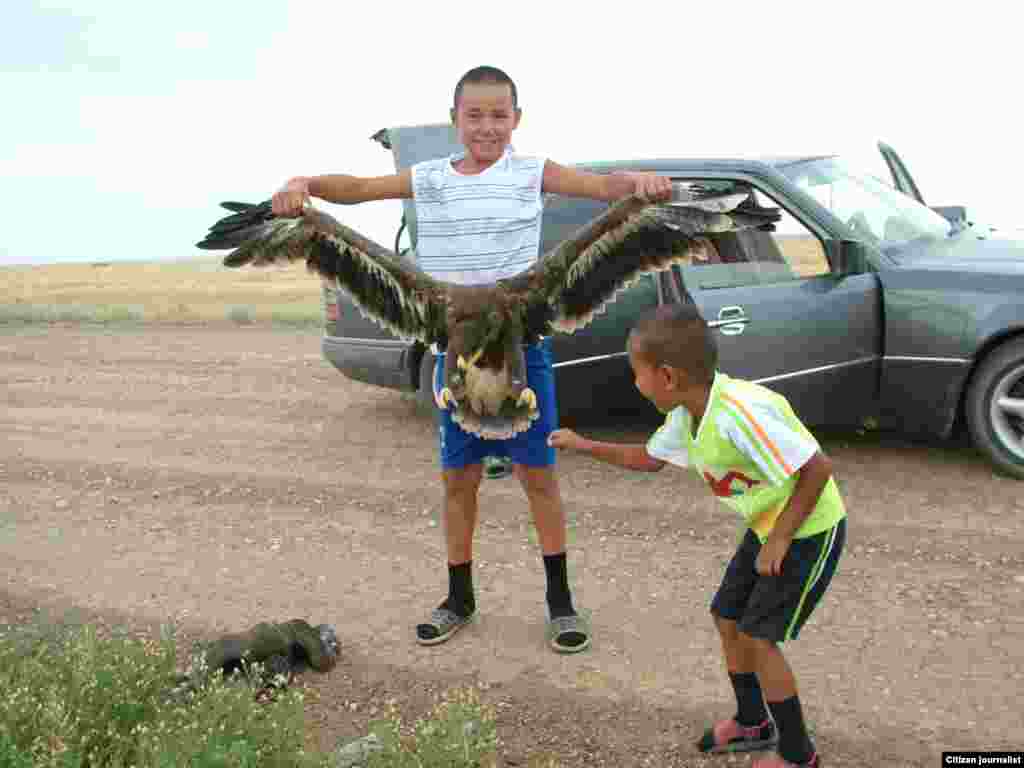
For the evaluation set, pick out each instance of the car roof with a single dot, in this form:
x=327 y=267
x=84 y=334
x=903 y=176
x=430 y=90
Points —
x=697 y=163
x=412 y=143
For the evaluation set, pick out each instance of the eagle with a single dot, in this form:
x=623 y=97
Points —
x=483 y=327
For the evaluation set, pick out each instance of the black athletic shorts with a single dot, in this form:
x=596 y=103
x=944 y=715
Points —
x=776 y=607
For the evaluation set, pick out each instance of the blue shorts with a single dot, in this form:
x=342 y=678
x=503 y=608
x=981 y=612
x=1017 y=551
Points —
x=530 y=448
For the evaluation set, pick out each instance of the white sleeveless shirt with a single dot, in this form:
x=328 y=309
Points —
x=478 y=228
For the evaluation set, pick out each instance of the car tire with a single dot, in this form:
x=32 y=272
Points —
x=425 y=391
x=998 y=431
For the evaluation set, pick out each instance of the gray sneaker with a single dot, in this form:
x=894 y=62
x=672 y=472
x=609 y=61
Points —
x=569 y=634
x=442 y=625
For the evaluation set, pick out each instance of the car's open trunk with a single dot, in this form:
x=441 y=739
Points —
x=411 y=144
x=408 y=145
x=359 y=347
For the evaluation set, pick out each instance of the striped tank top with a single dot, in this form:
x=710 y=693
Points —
x=478 y=228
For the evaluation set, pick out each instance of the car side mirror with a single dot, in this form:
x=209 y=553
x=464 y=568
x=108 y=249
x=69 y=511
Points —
x=954 y=214
x=848 y=257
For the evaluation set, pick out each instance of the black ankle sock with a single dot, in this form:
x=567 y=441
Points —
x=559 y=599
x=751 y=710
x=794 y=744
x=460 y=589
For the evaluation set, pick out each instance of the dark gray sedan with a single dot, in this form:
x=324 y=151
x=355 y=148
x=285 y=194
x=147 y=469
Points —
x=864 y=307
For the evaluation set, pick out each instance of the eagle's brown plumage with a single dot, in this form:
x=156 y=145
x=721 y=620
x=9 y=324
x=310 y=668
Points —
x=484 y=326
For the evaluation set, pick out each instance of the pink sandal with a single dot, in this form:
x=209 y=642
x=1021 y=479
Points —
x=730 y=736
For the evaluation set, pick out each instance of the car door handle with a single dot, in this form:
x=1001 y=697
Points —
x=731 y=321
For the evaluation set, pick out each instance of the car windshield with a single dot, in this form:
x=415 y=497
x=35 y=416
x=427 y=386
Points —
x=880 y=214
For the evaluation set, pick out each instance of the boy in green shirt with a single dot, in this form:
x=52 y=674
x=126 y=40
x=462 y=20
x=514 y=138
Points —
x=759 y=459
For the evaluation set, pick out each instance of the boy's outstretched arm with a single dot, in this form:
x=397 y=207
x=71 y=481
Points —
x=809 y=484
x=620 y=454
x=340 y=188
x=561 y=180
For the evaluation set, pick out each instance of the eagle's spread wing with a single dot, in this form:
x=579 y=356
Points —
x=574 y=281
x=387 y=289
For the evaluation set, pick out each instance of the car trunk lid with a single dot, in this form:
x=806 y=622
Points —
x=408 y=145
x=411 y=144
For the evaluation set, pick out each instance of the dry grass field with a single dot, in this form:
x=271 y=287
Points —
x=195 y=291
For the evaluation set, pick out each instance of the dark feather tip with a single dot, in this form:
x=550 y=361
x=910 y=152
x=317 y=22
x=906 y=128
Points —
x=213 y=245
x=235 y=259
x=238 y=221
x=232 y=239
x=237 y=207
x=233 y=205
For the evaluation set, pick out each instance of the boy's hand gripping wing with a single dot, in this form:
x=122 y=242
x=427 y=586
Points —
x=574 y=281
x=387 y=289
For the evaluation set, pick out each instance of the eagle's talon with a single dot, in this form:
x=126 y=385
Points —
x=444 y=398
x=527 y=398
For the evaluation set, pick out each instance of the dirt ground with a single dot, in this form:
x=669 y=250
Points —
x=221 y=477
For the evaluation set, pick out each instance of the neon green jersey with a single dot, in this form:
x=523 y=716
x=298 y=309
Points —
x=749 y=447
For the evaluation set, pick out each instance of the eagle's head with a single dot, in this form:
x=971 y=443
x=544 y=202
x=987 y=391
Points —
x=485 y=372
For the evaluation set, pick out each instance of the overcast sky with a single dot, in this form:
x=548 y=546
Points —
x=123 y=124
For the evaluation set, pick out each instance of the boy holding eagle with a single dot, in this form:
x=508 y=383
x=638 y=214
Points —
x=479 y=218
x=482 y=299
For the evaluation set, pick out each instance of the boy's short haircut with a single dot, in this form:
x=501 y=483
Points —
x=677 y=336
x=486 y=75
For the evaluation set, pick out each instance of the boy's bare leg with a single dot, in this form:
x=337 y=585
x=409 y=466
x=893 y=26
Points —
x=773 y=671
x=750 y=728
x=740 y=657
x=459 y=516
x=461 y=489
x=779 y=686
x=569 y=633
x=541 y=487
